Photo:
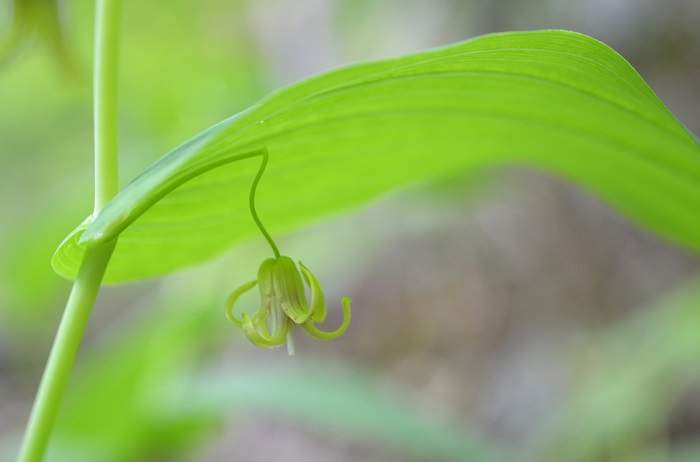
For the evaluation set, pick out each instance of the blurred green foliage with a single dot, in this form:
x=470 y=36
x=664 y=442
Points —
x=218 y=71
x=163 y=375
x=37 y=18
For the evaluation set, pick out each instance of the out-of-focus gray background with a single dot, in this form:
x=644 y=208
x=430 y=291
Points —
x=508 y=306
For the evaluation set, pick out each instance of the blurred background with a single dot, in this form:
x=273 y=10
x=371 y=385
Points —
x=499 y=316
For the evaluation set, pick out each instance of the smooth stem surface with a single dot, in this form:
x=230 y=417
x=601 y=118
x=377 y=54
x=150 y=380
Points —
x=63 y=352
x=105 y=100
x=251 y=203
x=94 y=264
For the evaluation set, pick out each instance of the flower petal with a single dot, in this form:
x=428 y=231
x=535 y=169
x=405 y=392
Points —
x=318 y=299
x=314 y=332
x=231 y=300
x=249 y=329
x=290 y=290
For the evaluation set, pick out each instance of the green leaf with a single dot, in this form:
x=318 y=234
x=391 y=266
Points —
x=553 y=100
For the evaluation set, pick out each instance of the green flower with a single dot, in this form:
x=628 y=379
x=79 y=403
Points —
x=283 y=304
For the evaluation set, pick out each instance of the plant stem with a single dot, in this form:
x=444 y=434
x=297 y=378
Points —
x=87 y=285
x=105 y=101
x=251 y=203
x=63 y=352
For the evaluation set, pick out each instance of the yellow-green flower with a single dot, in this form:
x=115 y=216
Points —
x=283 y=303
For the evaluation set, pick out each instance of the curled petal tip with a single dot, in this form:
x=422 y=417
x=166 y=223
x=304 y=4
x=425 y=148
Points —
x=315 y=332
x=258 y=337
x=231 y=300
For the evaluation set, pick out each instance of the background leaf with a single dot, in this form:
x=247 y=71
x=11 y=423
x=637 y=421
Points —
x=520 y=271
x=555 y=100
x=148 y=390
x=609 y=411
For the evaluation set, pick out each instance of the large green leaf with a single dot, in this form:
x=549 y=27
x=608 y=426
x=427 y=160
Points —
x=554 y=100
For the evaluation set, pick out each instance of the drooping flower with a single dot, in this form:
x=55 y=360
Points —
x=283 y=304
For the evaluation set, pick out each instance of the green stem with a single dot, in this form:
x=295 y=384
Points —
x=63 y=352
x=105 y=101
x=87 y=285
x=251 y=202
